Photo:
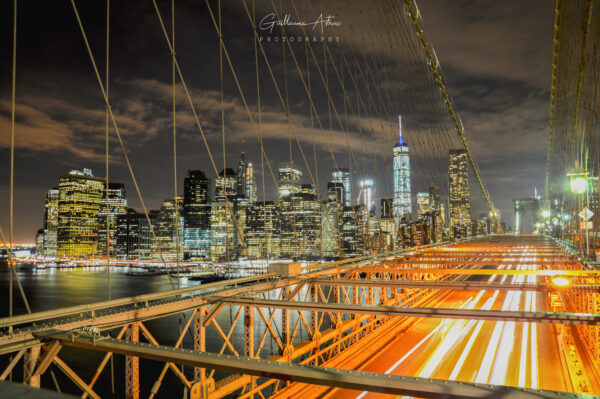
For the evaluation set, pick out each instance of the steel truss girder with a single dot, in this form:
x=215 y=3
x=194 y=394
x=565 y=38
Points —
x=480 y=272
x=445 y=285
x=442 y=313
x=339 y=378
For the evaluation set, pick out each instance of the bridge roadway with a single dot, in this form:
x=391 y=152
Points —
x=526 y=355
x=493 y=318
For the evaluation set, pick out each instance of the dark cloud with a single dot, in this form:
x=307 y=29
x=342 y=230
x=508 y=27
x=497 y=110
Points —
x=495 y=58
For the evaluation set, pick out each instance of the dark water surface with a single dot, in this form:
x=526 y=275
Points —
x=51 y=289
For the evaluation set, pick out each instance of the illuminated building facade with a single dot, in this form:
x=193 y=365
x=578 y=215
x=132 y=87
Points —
x=331 y=220
x=241 y=207
x=527 y=213
x=168 y=244
x=80 y=199
x=301 y=223
x=134 y=236
x=226 y=185
x=50 y=229
x=196 y=215
x=263 y=231
x=245 y=182
x=114 y=201
x=458 y=193
x=342 y=175
x=493 y=225
x=223 y=245
x=402 y=190
x=423 y=205
x=437 y=215
x=389 y=232
x=386 y=207
x=366 y=195
x=354 y=229
x=289 y=179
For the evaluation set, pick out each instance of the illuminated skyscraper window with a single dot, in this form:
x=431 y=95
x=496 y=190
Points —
x=80 y=199
x=458 y=189
x=402 y=195
x=342 y=175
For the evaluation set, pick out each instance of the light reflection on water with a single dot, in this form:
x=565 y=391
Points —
x=53 y=288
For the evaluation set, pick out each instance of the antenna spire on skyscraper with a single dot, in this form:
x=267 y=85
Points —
x=400 y=138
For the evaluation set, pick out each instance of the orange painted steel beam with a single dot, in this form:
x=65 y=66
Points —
x=474 y=262
x=482 y=272
x=333 y=377
x=436 y=313
x=448 y=285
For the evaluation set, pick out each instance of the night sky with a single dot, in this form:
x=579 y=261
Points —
x=495 y=57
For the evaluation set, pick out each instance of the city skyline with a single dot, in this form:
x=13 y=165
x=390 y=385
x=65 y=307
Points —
x=84 y=216
x=140 y=80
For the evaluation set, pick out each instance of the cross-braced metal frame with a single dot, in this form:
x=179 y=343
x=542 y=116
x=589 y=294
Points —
x=321 y=323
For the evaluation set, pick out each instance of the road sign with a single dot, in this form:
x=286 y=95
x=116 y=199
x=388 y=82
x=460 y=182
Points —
x=586 y=214
x=587 y=225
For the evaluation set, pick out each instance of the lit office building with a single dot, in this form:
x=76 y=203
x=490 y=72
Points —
x=168 y=244
x=423 y=205
x=389 y=232
x=196 y=215
x=437 y=225
x=354 y=229
x=342 y=175
x=386 y=207
x=331 y=220
x=374 y=240
x=241 y=208
x=115 y=202
x=495 y=218
x=250 y=184
x=366 y=196
x=263 y=231
x=245 y=183
x=289 y=179
x=80 y=199
x=50 y=229
x=301 y=223
x=402 y=193
x=482 y=226
x=226 y=185
x=459 y=197
x=527 y=214
x=223 y=245
x=134 y=236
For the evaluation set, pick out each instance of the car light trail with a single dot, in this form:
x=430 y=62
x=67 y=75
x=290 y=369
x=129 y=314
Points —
x=488 y=360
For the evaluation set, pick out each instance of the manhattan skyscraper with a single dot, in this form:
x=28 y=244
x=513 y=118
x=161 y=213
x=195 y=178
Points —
x=402 y=196
x=458 y=192
x=342 y=175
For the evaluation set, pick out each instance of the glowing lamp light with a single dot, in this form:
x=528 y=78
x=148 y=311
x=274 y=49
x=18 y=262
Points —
x=560 y=281
x=546 y=213
x=578 y=185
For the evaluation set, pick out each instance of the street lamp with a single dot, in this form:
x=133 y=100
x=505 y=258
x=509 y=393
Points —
x=546 y=213
x=578 y=180
x=579 y=184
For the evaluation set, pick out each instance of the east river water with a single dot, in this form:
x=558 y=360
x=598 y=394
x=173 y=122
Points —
x=51 y=289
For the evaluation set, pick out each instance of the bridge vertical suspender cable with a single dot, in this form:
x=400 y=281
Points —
x=459 y=129
x=9 y=246
x=555 y=49
x=12 y=153
x=118 y=133
x=107 y=118
x=176 y=224
x=279 y=94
